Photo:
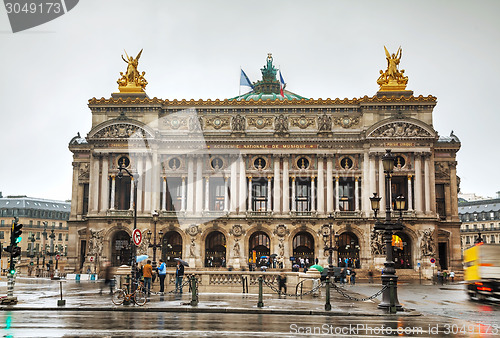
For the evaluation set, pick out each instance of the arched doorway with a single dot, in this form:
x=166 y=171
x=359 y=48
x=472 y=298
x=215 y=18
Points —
x=349 y=250
x=215 y=249
x=260 y=243
x=401 y=244
x=171 y=248
x=303 y=247
x=120 y=249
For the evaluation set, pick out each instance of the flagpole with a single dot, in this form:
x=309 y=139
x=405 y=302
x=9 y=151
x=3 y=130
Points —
x=239 y=85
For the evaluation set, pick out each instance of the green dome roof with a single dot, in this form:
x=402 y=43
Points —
x=268 y=88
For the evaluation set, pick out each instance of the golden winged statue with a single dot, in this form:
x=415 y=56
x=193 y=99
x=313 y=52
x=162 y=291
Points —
x=132 y=80
x=392 y=78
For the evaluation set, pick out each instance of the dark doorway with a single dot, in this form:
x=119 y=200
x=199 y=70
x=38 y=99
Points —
x=215 y=249
x=349 y=250
x=120 y=249
x=83 y=251
x=443 y=255
x=303 y=247
x=259 y=242
x=401 y=244
x=171 y=248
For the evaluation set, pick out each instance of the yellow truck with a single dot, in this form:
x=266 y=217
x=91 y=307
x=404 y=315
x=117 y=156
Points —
x=482 y=271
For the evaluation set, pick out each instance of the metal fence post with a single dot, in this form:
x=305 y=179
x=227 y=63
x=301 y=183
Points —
x=61 y=302
x=328 y=305
x=260 y=302
x=194 y=291
x=392 y=301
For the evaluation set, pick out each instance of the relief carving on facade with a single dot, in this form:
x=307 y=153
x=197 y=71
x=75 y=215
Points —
x=442 y=171
x=427 y=243
x=217 y=122
x=175 y=122
x=96 y=243
x=260 y=122
x=377 y=243
x=236 y=248
x=281 y=124
x=400 y=129
x=193 y=230
x=346 y=121
x=302 y=122
x=281 y=246
x=192 y=248
x=236 y=230
x=238 y=123
x=122 y=130
x=84 y=171
x=195 y=123
x=281 y=230
x=324 y=123
x=143 y=248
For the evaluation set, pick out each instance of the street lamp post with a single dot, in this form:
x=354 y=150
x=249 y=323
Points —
x=390 y=295
x=52 y=236
x=44 y=248
x=133 y=263
x=31 y=253
x=154 y=245
x=328 y=235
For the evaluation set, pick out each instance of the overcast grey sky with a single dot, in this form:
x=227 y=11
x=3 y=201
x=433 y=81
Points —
x=194 y=49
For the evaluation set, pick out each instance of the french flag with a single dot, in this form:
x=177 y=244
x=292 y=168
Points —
x=282 y=85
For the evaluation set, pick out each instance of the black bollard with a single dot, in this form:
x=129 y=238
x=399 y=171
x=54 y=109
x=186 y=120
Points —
x=260 y=303
x=328 y=305
x=392 y=300
x=61 y=302
x=194 y=291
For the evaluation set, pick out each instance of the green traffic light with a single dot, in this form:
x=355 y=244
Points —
x=12 y=272
x=19 y=239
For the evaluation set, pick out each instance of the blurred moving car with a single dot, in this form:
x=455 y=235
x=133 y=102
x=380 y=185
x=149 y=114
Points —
x=482 y=271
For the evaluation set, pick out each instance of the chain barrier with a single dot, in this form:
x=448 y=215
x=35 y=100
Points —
x=343 y=292
x=185 y=283
x=316 y=288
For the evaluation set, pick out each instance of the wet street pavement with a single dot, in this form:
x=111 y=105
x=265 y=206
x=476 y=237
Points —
x=440 y=311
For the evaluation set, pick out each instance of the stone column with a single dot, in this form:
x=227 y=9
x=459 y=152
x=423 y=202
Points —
x=427 y=185
x=183 y=194
x=356 y=194
x=321 y=186
x=156 y=182
x=199 y=185
x=454 y=191
x=294 y=204
x=105 y=184
x=277 y=190
x=313 y=195
x=250 y=206
x=94 y=184
x=207 y=193
x=337 y=194
x=243 y=188
x=269 y=194
x=410 y=194
x=190 y=185
x=381 y=185
x=132 y=201
x=234 y=199
x=418 y=183
x=226 y=194
x=140 y=183
x=286 y=198
x=75 y=196
x=365 y=187
x=148 y=186
x=447 y=200
x=164 y=200
x=113 y=182
x=372 y=176
x=329 y=185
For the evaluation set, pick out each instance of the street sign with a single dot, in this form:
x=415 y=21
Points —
x=91 y=258
x=57 y=257
x=433 y=261
x=137 y=237
x=418 y=265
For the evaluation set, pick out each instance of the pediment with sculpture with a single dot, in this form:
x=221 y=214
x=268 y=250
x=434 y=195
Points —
x=400 y=129
x=122 y=131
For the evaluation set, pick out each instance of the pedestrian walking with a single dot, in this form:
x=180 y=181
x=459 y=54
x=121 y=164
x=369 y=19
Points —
x=353 y=277
x=282 y=282
x=162 y=273
x=370 y=276
x=452 y=276
x=179 y=274
x=440 y=277
x=109 y=278
x=342 y=276
x=147 y=273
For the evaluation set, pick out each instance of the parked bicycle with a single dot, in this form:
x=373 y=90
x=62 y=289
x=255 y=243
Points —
x=138 y=296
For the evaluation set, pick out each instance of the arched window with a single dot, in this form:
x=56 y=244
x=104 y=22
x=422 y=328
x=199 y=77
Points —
x=349 y=250
x=303 y=246
x=401 y=244
x=215 y=249
x=120 y=249
x=260 y=243
x=171 y=248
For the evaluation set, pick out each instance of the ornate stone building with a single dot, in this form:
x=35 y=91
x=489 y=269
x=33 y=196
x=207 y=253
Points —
x=261 y=174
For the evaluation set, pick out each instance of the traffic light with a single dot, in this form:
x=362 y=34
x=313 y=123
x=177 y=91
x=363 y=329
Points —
x=16 y=233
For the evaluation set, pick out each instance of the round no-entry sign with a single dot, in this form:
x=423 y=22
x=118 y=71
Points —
x=57 y=257
x=433 y=260
x=137 y=237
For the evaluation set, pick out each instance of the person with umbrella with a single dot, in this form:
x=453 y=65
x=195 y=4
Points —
x=179 y=274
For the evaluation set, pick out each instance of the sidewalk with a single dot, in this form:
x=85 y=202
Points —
x=38 y=294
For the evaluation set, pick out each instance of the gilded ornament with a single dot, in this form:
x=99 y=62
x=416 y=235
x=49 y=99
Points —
x=260 y=122
x=302 y=122
x=400 y=129
x=132 y=81
x=346 y=121
x=218 y=122
x=392 y=79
